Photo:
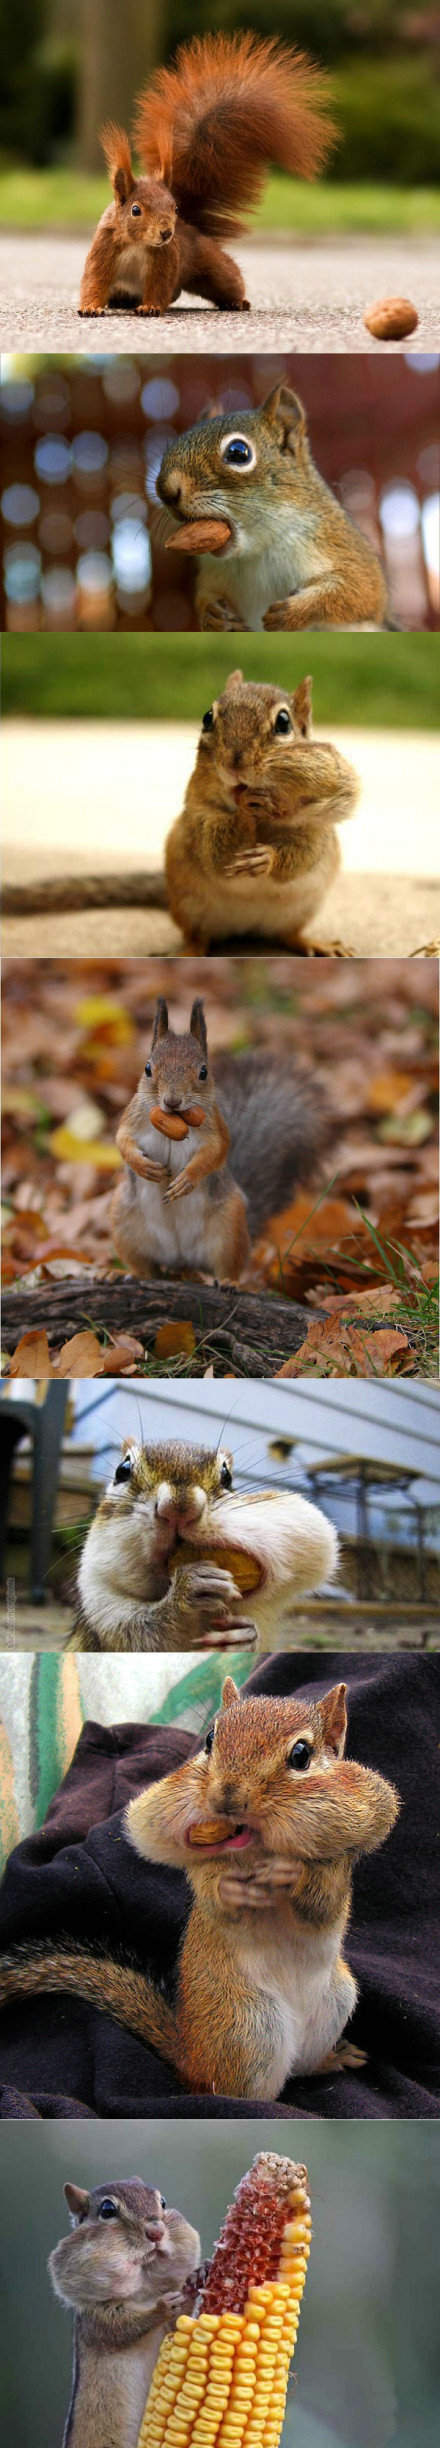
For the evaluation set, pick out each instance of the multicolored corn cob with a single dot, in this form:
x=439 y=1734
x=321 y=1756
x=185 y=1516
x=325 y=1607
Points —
x=221 y=2379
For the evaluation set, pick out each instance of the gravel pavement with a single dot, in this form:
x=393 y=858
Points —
x=306 y=296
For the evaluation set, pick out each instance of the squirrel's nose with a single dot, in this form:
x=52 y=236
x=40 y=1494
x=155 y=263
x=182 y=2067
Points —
x=172 y=1104
x=172 y=490
x=155 y=2230
x=166 y=233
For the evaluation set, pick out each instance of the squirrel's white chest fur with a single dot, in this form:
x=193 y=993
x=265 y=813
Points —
x=308 y=1997
x=180 y=1232
x=256 y=575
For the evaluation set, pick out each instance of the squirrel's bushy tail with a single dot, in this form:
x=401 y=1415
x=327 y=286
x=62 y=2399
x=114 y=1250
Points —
x=280 y=1125
x=117 y=1989
x=211 y=126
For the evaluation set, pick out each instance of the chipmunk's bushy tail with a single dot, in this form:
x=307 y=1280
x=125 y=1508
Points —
x=211 y=126
x=117 y=1989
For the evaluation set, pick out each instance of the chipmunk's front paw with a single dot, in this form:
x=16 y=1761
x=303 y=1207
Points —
x=209 y=1595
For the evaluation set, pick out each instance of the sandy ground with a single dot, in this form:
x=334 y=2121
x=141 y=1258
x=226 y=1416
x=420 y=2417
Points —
x=304 y=295
x=387 y=899
x=367 y=1626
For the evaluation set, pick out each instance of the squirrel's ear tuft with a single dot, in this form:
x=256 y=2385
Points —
x=334 y=1718
x=230 y=1693
x=160 y=1023
x=303 y=707
x=197 y=1026
x=285 y=412
x=77 y=2201
x=116 y=148
x=233 y=682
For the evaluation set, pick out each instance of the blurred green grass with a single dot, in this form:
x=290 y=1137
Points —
x=65 y=200
x=377 y=680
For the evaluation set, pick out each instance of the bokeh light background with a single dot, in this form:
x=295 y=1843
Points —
x=83 y=534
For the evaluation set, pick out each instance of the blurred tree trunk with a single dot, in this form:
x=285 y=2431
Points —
x=121 y=41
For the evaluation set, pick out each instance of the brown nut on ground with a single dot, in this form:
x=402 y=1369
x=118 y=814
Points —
x=200 y=535
x=391 y=318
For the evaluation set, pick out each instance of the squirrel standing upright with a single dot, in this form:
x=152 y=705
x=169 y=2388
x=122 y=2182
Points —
x=273 y=1120
x=128 y=2269
x=255 y=848
x=207 y=131
x=267 y=1820
x=290 y=556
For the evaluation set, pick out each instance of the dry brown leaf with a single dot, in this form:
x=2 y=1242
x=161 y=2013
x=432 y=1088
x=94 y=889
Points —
x=175 y=1336
x=121 y=1355
x=335 y=1342
x=82 y=1356
x=32 y=1356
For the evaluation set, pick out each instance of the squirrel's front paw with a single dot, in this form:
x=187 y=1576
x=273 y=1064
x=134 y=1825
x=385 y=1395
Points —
x=178 y=1189
x=251 y=862
x=153 y=1172
x=92 y=310
x=149 y=310
x=210 y=1595
x=219 y=615
x=279 y=615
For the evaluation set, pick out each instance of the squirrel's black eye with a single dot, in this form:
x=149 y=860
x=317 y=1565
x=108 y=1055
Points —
x=136 y=211
x=282 y=720
x=162 y=2202
x=300 y=1756
x=123 y=1470
x=203 y=1073
x=209 y=1740
x=108 y=2209
x=208 y=721
x=148 y=1070
x=226 y=1475
x=238 y=453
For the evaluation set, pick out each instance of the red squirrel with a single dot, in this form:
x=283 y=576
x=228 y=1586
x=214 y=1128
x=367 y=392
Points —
x=206 y=130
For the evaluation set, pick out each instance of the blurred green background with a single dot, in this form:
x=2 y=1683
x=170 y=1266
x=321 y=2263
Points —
x=367 y=2359
x=373 y=680
x=68 y=64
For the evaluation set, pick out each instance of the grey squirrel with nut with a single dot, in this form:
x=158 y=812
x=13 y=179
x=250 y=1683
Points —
x=127 y=2269
x=267 y=1820
x=210 y=1151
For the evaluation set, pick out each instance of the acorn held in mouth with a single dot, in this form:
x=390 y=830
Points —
x=200 y=535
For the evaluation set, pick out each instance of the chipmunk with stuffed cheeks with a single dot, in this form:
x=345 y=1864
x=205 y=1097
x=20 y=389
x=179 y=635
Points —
x=268 y=1820
x=173 y=1547
x=286 y=554
x=127 y=2269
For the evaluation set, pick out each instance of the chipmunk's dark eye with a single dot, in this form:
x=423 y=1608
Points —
x=300 y=1756
x=108 y=2209
x=208 y=720
x=209 y=1740
x=238 y=453
x=148 y=1070
x=282 y=720
x=203 y=1073
x=226 y=1475
x=162 y=2202
x=123 y=1470
x=136 y=210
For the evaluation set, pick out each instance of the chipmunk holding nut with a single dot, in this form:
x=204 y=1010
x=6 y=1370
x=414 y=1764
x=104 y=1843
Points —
x=207 y=130
x=128 y=2268
x=278 y=551
x=255 y=849
x=179 y=1202
x=268 y=1820
x=176 y=1558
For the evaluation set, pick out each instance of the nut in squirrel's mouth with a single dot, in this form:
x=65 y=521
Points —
x=196 y=533
x=217 y=1836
